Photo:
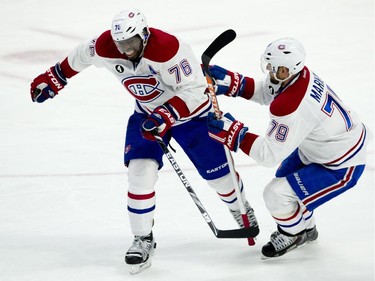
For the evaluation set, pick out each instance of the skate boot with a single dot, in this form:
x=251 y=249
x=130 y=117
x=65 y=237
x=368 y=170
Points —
x=250 y=214
x=139 y=254
x=312 y=234
x=280 y=244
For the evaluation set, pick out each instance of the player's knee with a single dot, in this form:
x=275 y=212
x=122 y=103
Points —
x=277 y=194
x=142 y=173
x=221 y=185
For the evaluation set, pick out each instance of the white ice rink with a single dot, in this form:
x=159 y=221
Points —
x=62 y=181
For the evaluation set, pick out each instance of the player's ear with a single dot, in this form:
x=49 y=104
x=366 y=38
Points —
x=282 y=72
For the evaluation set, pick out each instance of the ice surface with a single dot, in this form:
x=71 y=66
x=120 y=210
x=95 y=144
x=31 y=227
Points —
x=62 y=181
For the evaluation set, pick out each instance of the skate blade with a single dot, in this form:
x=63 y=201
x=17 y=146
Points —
x=137 y=268
x=312 y=242
x=263 y=257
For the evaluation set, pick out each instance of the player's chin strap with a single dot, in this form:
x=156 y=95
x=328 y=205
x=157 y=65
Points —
x=221 y=41
x=231 y=233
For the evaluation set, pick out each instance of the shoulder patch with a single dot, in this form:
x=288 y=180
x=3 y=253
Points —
x=161 y=46
x=105 y=47
x=289 y=100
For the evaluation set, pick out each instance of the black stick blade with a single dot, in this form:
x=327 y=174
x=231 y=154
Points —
x=220 y=42
x=249 y=232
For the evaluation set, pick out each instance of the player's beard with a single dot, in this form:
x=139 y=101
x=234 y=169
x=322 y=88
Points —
x=135 y=54
x=273 y=79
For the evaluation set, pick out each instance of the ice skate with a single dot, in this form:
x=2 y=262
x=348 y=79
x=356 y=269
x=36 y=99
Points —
x=250 y=214
x=139 y=254
x=281 y=244
x=312 y=234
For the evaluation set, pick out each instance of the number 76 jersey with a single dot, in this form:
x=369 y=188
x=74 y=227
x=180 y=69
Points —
x=167 y=72
x=308 y=115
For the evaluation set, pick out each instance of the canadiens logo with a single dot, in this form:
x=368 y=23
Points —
x=143 y=88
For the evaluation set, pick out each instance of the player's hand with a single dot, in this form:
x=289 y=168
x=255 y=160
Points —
x=226 y=82
x=226 y=130
x=159 y=121
x=47 y=85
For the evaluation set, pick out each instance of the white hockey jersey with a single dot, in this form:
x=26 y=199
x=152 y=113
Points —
x=167 y=72
x=306 y=114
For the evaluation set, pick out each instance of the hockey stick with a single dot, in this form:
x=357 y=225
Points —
x=233 y=233
x=220 y=42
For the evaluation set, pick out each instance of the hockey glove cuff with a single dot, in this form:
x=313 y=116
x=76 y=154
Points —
x=229 y=83
x=226 y=130
x=160 y=121
x=47 y=85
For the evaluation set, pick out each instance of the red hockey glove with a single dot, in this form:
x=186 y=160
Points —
x=226 y=130
x=47 y=85
x=226 y=82
x=159 y=121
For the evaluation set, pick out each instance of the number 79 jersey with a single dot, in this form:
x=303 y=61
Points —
x=308 y=115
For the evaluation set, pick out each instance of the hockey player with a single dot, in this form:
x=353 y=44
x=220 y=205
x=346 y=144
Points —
x=161 y=73
x=319 y=141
